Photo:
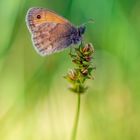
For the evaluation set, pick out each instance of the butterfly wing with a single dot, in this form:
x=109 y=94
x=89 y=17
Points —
x=50 y=32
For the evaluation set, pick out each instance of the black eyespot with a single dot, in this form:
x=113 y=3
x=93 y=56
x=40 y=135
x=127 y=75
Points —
x=38 y=16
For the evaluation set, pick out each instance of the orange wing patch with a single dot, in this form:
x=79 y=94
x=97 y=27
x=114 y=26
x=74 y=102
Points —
x=52 y=17
x=48 y=16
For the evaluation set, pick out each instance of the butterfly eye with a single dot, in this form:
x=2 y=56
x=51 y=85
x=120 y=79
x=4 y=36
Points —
x=38 y=16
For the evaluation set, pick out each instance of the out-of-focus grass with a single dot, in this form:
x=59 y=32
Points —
x=34 y=101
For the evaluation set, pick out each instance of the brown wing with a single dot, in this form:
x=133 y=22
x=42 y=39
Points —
x=50 y=32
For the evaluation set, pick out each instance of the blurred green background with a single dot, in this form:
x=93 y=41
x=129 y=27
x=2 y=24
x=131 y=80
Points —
x=35 y=103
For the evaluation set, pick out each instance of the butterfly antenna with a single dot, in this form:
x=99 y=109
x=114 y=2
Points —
x=89 y=21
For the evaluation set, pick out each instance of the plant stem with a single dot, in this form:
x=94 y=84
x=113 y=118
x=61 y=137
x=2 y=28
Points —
x=75 y=127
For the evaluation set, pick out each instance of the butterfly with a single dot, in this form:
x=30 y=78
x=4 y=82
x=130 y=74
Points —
x=50 y=32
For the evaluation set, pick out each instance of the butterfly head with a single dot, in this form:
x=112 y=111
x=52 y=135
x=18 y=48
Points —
x=77 y=34
x=81 y=30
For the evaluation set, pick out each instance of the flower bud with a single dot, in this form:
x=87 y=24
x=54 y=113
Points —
x=88 y=49
x=72 y=75
x=85 y=71
x=88 y=58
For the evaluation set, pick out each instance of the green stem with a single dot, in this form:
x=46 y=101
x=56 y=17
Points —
x=75 y=127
